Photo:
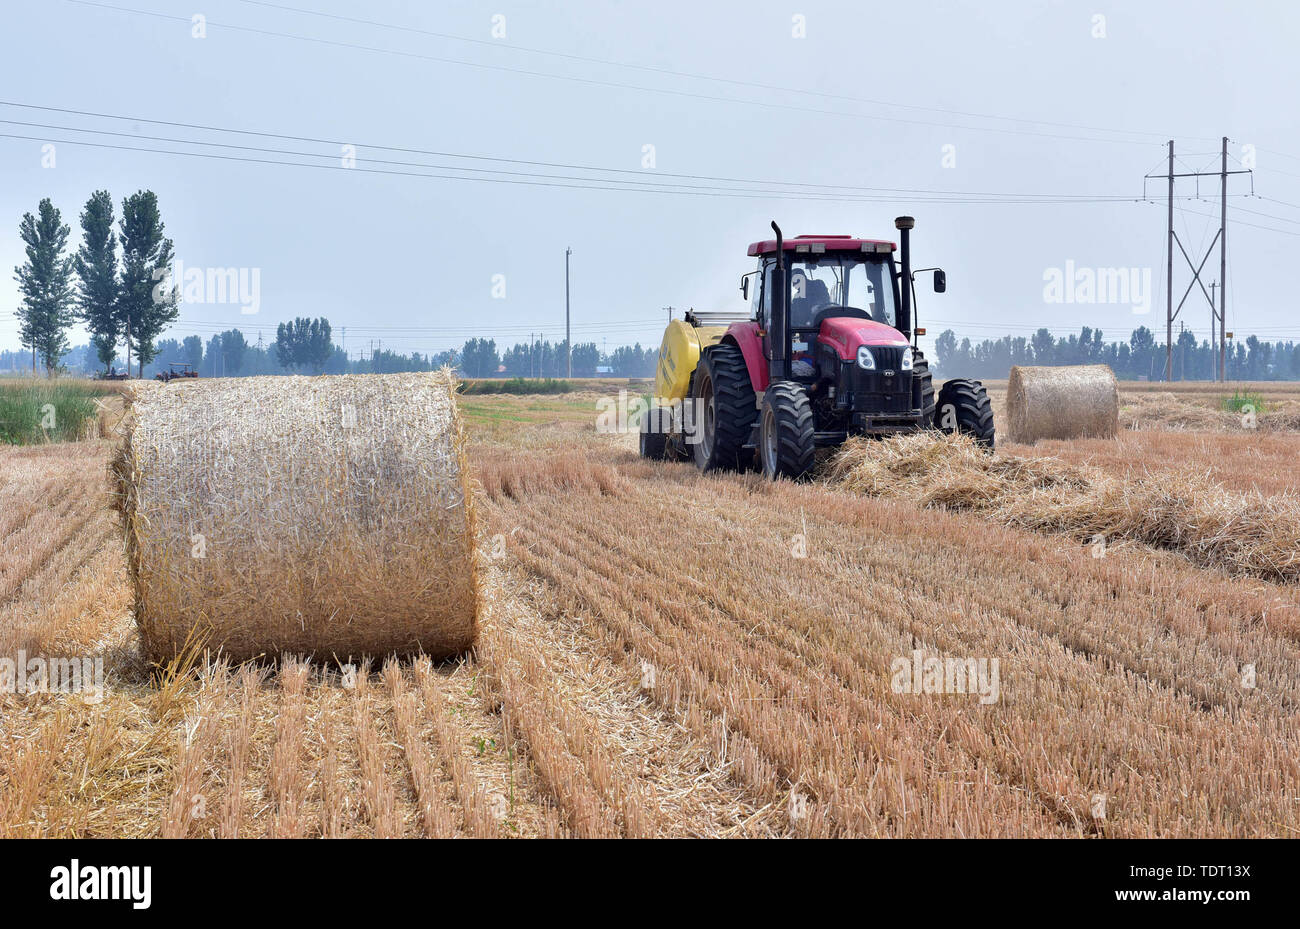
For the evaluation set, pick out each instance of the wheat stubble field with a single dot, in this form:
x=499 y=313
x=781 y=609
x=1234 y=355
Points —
x=670 y=654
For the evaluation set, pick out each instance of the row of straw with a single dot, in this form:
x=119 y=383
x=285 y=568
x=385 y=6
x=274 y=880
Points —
x=1247 y=534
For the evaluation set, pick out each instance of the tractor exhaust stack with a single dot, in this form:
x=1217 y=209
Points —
x=904 y=225
x=778 y=330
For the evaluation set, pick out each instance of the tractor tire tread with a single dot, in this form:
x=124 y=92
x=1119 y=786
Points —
x=733 y=397
x=796 y=430
x=970 y=402
x=654 y=438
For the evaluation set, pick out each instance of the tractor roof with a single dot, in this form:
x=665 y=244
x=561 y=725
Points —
x=823 y=243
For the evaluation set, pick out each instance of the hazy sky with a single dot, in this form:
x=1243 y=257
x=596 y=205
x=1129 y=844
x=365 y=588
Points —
x=942 y=100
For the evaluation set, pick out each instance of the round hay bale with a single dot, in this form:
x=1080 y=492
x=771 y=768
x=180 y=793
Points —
x=1069 y=402
x=328 y=517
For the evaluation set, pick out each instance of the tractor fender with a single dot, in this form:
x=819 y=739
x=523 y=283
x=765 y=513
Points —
x=746 y=338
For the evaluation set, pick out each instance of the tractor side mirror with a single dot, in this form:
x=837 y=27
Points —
x=940 y=281
x=744 y=286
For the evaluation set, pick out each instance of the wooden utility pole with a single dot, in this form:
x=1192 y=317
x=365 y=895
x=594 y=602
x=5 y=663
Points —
x=1214 y=336
x=1223 y=255
x=1169 y=277
x=568 y=342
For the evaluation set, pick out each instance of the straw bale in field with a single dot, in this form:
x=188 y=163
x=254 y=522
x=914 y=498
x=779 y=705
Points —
x=1077 y=401
x=326 y=517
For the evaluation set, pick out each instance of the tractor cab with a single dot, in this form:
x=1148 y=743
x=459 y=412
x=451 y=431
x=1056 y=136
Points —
x=837 y=284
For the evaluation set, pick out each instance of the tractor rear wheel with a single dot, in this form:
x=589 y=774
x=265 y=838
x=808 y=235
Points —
x=786 y=432
x=656 y=423
x=724 y=409
x=963 y=406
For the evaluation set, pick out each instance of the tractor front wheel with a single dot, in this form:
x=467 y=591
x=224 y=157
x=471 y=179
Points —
x=963 y=406
x=786 y=443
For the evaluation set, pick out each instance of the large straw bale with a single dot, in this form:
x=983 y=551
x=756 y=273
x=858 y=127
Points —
x=326 y=517
x=1071 y=402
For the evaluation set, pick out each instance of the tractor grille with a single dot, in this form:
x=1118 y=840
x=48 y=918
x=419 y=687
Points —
x=879 y=393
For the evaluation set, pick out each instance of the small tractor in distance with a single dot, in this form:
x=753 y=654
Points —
x=176 y=370
x=828 y=350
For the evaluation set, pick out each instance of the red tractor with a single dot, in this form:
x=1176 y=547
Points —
x=827 y=351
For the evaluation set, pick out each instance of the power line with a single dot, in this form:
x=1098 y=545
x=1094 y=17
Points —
x=1279 y=154
x=1282 y=219
x=473 y=157
x=1294 y=206
x=331 y=155
x=608 y=185
x=600 y=83
x=602 y=183
x=757 y=85
x=496 y=171
x=1242 y=222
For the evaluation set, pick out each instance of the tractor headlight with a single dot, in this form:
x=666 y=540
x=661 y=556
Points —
x=906 y=363
x=866 y=360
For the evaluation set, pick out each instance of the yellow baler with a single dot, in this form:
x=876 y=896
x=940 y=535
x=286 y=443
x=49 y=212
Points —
x=678 y=355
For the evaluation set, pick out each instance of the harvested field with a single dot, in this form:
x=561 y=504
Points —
x=665 y=653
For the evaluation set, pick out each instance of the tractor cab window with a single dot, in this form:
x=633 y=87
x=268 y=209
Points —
x=839 y=279
x=760 y=299
x=763 y=294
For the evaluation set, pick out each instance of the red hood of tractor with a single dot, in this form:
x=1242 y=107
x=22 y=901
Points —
x=845 y=334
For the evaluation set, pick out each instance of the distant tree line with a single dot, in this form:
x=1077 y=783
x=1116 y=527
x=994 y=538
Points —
x=306 y=346
x=541 y=358
x=1140 y=358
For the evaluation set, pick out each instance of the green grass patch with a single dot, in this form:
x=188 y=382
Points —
x=1242 y=399
x=517 y=385
x=478 y=413
x=32 y=412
